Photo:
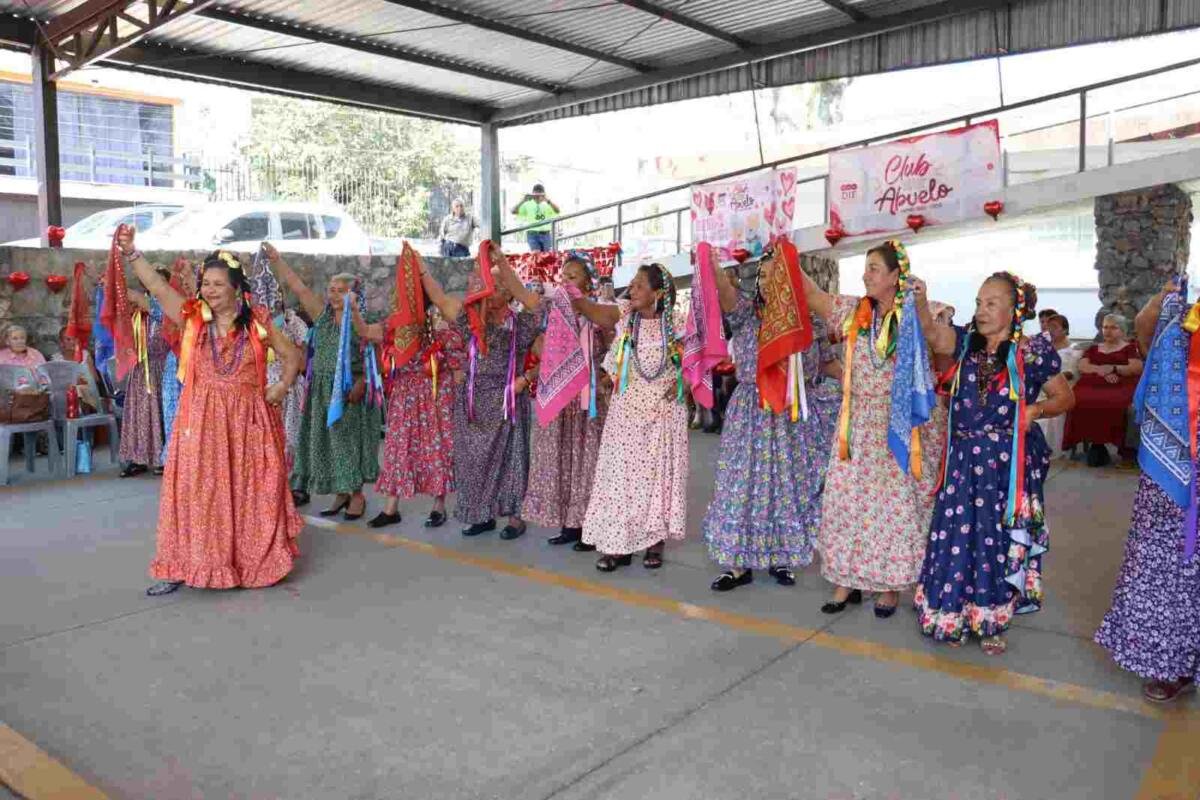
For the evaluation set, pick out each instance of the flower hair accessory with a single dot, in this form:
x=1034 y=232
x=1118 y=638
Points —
x=230 y=260
x=905 y=269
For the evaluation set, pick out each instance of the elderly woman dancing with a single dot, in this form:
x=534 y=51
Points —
x=226 y=517
x=988 y=532
x=338 y=458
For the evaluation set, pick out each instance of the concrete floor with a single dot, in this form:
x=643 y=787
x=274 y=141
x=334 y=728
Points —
x=490 y=669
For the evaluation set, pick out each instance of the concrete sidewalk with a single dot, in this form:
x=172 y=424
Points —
x=414 y=663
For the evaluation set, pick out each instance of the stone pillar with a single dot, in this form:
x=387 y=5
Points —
x=1142 y=238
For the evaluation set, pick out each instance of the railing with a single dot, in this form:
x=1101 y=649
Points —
x=93 y=165
x=1084 y=144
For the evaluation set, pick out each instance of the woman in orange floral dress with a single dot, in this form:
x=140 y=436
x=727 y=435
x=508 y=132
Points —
x=226 y=517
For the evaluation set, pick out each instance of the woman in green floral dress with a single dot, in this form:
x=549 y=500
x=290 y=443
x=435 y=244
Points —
x=339 y=459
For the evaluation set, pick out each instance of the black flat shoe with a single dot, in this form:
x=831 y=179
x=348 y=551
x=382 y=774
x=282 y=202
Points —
x=333 y=512
x=383 y=518
x=610 y=563
x=566 y=536
x=727 y=580
x=583 y=547
x=883 y=612
x=832 y=607
x=511 y=532
x=133 y=470
x=351 y=517
x=480 y=527
x=436 y=519
x=163 y=587
x=783 y=576
x=299 y=498
x=653 y=559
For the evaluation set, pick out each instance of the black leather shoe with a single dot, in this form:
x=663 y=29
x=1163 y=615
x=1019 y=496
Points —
x=383 y=518
x=783 y=576
x=336 y=509
x=133 y=470
x=163 y=587
x=727 y=580
x=511 y=532
x=582 y=547
x=854 y=598
x=567 y=536
x=610 y=563
x=883 y=612
x=480 y=527
x=300 y=498
x=436 y=519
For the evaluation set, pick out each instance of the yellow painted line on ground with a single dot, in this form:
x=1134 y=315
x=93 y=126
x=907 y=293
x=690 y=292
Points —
x=32 y=774
x=54 y=483
x=1174 y=772
x=978 y=673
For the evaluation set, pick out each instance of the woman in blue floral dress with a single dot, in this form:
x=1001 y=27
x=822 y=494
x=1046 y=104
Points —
x=983 y=557
x=766 y=509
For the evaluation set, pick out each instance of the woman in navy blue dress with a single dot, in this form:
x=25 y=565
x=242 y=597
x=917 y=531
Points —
x=983 y=557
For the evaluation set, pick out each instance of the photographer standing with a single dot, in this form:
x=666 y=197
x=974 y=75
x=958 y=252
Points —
x=536 y=207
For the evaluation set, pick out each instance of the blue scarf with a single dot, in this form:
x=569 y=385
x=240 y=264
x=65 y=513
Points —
x=1161 y=403
x=343 y=378
x=913 y=396
x=104 y=347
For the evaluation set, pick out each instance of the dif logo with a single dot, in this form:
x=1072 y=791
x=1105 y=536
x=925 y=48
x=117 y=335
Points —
x=849 y=191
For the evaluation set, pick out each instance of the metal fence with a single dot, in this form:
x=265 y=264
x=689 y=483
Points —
x=93 y=165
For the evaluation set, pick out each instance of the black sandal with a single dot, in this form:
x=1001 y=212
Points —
x=727 y=580
x=163 y=587
x=436 y=519
x=610 y=563
x=652 y=559
x=351 y=517
x=333 y=512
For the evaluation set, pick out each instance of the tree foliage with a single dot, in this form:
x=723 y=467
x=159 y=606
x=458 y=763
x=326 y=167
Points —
x=383 y=168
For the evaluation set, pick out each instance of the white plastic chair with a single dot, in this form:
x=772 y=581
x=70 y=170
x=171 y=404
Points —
x=11 y=378
x=61 y=375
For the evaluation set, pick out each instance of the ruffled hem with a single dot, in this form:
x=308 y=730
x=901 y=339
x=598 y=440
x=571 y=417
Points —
x=1149 y=663
x=632 y=543
x=851 y=581
x=225 y=576
x=549 y=514
x=765 y=559
x=500 y=508
x=953 y=626
x=331 y=485
x=407 y=487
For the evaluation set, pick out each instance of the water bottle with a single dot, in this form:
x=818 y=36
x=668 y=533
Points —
x=72 y=402
x=83 y=457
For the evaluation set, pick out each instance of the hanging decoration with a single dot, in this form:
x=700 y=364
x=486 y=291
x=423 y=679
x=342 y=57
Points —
x=834 y=235
x=993 y=208
x=915 y=221
x=56 y=283
x=544 y=268
x=18 y=280
x=55 y=235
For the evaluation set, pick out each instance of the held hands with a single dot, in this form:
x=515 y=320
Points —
x=125 y=240
x=275 y=394
x=1112 y=377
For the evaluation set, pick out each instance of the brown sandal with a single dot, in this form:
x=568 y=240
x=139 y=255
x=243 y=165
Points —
x=1157 y=691
x=993 y=645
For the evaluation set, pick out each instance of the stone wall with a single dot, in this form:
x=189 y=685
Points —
x=43 y=313
x=1142 y=238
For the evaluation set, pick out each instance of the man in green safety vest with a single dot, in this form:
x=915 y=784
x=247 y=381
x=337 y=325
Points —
x=536 y=207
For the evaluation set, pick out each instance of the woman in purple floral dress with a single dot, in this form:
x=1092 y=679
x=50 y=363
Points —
x=766 y=510
x=982 y=559
x=1153 y=627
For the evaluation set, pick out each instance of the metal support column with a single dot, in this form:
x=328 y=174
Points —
x=45 y=130
x=489 y=183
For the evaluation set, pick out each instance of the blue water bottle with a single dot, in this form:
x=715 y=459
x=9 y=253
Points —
x=83 y=457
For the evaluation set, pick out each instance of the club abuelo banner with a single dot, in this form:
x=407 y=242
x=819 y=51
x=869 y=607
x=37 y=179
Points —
x=937 y=178
x=745 y=213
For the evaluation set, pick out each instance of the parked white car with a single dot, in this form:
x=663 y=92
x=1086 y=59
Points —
x=241 y=226
x=95 y=231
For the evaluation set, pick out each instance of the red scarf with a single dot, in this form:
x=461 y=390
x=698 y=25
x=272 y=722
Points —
x=402 y=334
x=79 y=316
x=480 y=285
x=117 y=314
x=171 y=332
x=785 y=328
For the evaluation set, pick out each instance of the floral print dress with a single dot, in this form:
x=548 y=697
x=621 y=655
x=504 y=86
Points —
x=977 y=572
x=766 y=508
x=874 y=517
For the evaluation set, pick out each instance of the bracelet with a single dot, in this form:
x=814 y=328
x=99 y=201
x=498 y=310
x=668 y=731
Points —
x=131 y=256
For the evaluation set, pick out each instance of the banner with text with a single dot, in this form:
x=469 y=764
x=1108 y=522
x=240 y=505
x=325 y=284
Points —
x=944 y=177
x=745 y=213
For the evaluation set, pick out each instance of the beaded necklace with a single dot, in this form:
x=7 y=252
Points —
x=635 y=325
x=222 y=367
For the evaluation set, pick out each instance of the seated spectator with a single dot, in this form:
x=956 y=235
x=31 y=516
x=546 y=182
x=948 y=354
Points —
x=69 y=350
x=1058 y=328
x=1044 y=317
x=17 y=352
x=1108 y=376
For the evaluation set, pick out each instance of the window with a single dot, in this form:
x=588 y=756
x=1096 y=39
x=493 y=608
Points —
x=249 y=228
x=332 y=225
x=295 y=225
x=142 y=220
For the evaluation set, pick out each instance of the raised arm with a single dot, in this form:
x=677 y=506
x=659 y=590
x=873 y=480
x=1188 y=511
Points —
x=370 y=331
x=507 y=276
x=311 y=301
x=450 y=307
x=940 y=338
x=170 y=300
x=605 y=315
x=820 y=302
x=727 y=293
x=1147 y=319
x=517 y=208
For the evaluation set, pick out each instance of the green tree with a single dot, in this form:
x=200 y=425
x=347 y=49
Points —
x=382 y=168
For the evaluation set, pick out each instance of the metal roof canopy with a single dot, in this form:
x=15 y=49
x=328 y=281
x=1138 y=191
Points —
x=510 y=62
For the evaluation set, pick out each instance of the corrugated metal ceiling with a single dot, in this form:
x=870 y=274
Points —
x=562 y=58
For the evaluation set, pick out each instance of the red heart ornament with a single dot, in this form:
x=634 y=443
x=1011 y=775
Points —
x=697 y=199
x=834 y=235
x=787 y=181
x=741 y=255
x=915 y=221
x=55 y=235
x=56 y=283
x=769 y=214
x=710 y=202
x=993 y=208
x=18 y=280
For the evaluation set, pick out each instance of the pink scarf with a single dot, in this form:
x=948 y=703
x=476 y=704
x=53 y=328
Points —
x=566 y=366
x=703 y=345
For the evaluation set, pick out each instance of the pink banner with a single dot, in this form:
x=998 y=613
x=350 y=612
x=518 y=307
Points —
x=745 y=213
x=943 y=177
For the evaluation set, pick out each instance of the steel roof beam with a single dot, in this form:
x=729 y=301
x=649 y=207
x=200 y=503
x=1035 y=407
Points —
x=476 y=21
x=874 y=26
x=366 y=45
x=847 y=9
x=686 y=21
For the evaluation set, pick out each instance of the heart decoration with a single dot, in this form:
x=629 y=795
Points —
x=769 y=214
x=915 y=221
x=993 y=208
x=56 y=283
x=787 y=180
x=18 y=280
x=740 y=255
x=710 y=202
x=789 y=207
x=834 y=235
x=55 y=235
x=697 y=199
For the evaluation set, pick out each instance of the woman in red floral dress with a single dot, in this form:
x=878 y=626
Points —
x=226 y=517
